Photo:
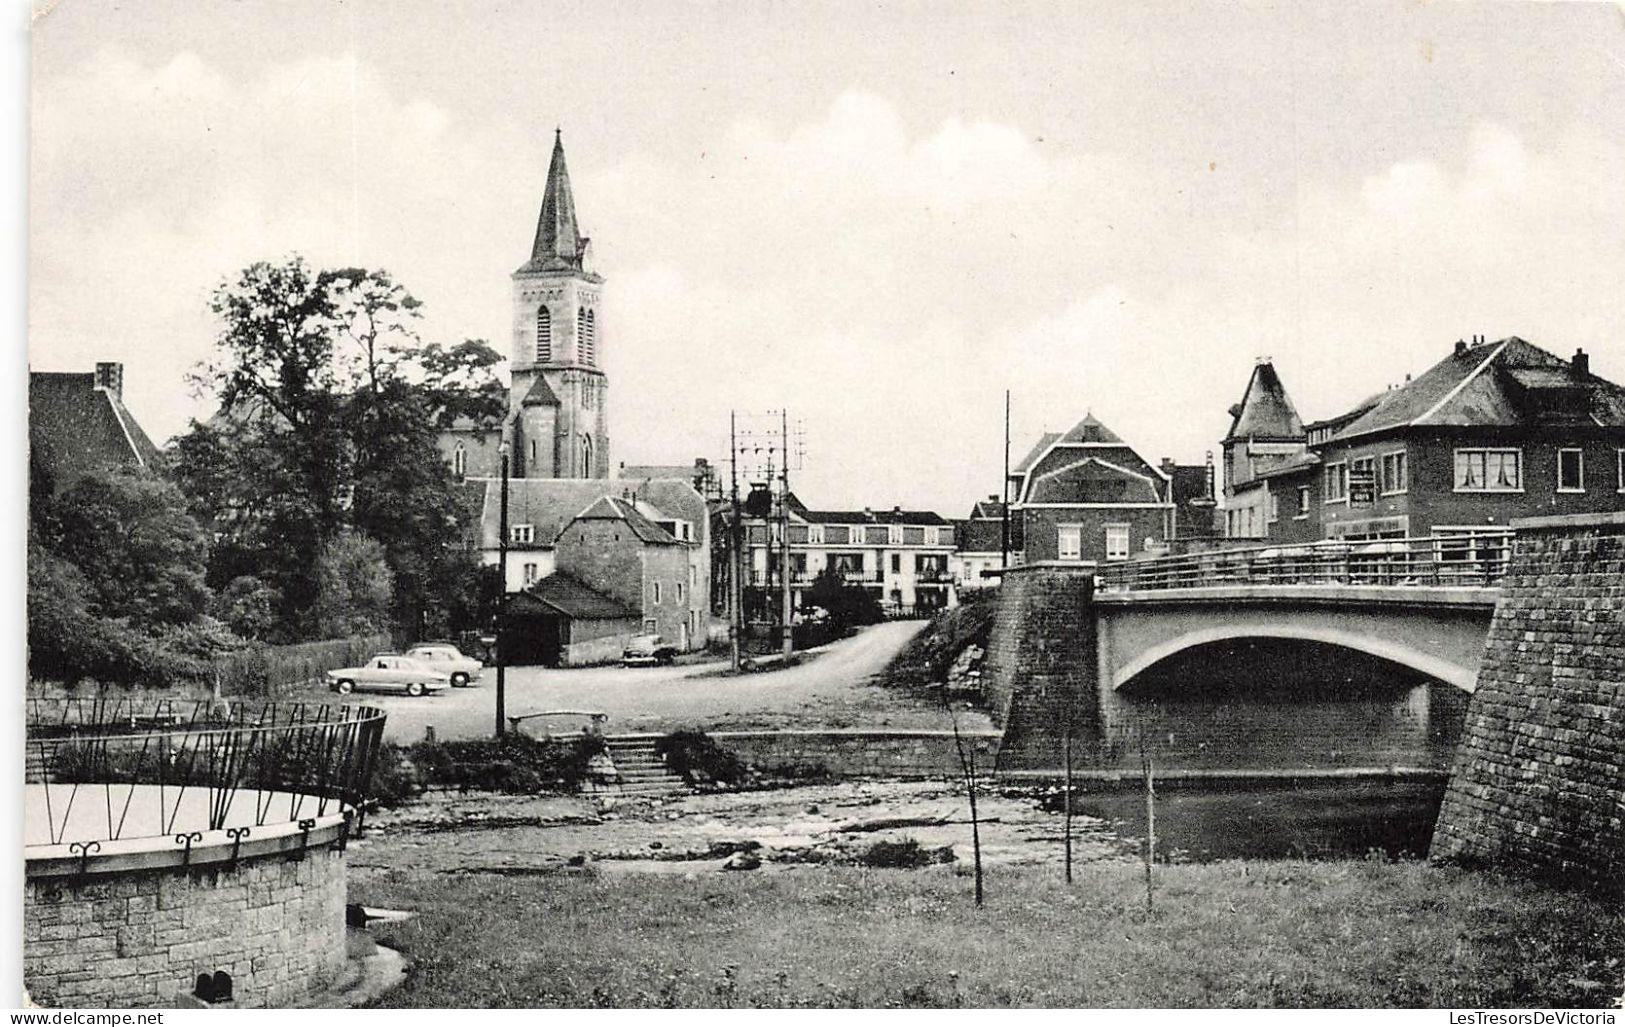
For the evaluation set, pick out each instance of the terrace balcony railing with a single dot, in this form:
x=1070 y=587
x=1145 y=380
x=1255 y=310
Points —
x=137 y=764
x=1476 y=560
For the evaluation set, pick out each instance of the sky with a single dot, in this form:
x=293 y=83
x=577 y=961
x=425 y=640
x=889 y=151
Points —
x=879 y=216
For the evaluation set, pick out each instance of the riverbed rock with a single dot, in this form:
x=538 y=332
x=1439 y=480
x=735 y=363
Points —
x=742 y=861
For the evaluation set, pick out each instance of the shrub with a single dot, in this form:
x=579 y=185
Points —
x=927 y=657
x=904 y=854
x=700 y=760
x=516 y=765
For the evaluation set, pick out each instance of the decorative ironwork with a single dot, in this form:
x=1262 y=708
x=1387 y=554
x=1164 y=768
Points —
x=237 y=834
x=84 y=851
x=238 y=764
x=186 y=838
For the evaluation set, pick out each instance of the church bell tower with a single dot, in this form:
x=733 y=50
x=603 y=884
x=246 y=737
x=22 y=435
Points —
x=558 y=404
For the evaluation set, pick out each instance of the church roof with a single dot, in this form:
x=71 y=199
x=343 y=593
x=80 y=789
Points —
x=1265 y=413
x=559 y=244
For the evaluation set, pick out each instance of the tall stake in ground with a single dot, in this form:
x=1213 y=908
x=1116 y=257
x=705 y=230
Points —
x=1150 y=817
x=967 y=767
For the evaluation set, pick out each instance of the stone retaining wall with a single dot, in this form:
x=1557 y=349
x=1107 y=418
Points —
x=860 y=753
x=141 y=938
x=1539 y=777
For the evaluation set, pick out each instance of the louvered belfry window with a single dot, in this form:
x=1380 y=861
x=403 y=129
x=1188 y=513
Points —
x=589 y=337
x=544 y=335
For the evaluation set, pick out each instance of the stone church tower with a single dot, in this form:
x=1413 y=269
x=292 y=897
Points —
x=558 y=406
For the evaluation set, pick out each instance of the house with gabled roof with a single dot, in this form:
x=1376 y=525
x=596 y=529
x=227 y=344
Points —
x=984 y=543
x=1085 y=495
x=652 y=512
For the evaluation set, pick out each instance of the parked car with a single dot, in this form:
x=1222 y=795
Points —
x=464 y=670
x=389 y=672
x=647 y=649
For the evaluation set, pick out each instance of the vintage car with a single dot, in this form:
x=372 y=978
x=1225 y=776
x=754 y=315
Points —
x=464 y=670
x=647 y=649
x=389 y=672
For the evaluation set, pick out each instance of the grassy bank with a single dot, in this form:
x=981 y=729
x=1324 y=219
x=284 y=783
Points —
x=1280 y=934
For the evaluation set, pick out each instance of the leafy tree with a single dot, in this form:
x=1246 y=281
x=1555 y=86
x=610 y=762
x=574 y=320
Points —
x=460 y=383
x=353 y=587
x=248 y=606
x=328 y=416
x=140 y=554
x=848 y=605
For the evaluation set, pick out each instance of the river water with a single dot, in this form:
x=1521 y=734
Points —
x=1317 y=821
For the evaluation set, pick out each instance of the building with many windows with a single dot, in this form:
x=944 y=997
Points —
x=1492 y=432
x=901 y=557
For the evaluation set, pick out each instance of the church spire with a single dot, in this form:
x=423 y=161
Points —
x=558 y=240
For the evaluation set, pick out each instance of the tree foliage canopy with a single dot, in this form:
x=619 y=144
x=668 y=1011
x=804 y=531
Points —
x=329 y=408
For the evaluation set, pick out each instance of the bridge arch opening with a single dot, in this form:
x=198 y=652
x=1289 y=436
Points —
x=1287 y=703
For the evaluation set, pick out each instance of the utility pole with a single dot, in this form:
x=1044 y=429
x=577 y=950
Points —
x=1004 y=526
x=502 y=599
x=784 y=535
x=736 y=619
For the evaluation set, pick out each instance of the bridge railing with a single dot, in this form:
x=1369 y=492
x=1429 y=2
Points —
x=1467 y=560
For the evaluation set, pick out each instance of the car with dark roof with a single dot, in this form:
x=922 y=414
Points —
x=647 y=650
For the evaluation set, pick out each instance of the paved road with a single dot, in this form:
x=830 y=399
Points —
x=829 y=690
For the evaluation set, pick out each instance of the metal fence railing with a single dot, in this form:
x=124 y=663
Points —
x=1467 y=560
x=249 y=763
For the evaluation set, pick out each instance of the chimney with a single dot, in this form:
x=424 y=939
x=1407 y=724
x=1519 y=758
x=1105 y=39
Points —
x=1461 y=346
x=1168 y=466
x=110 y=376
x=1581 y=363
x=993 y=498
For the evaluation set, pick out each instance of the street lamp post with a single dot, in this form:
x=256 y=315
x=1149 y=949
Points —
x=502 y=598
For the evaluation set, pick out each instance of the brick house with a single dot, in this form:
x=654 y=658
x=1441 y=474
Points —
x=1492 y=432
x=1086 y=495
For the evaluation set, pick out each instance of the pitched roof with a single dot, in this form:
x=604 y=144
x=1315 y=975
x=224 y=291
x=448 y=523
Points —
x=1044 y=442
x=559 y=243
x=576 y=600
x=1505 y=383
x=987 y=509
x=1091 y=430
x=912 y=518
x=613 y=508
x=1265 y=412
x=548 y=504
x=76 y=428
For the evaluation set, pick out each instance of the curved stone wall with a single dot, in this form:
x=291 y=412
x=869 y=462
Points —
x=274 y=922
